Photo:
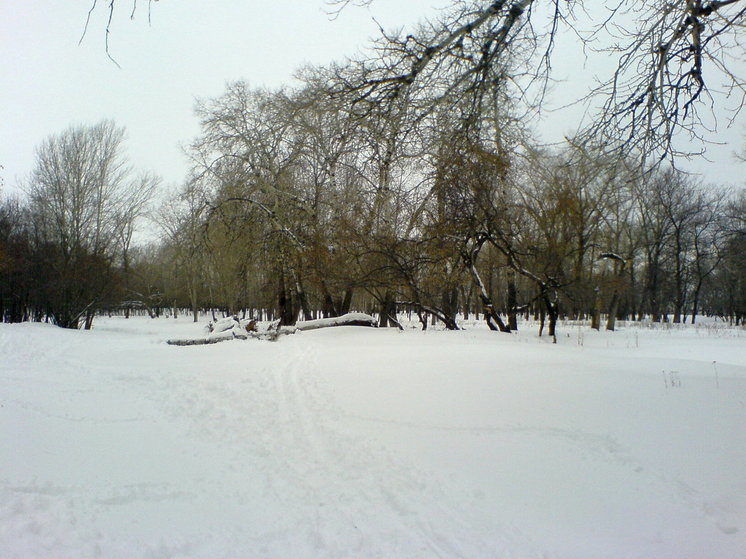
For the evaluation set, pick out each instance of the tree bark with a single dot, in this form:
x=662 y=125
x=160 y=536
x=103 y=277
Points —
x=387 y=315
x=596 y=317
x=329 y=309
x=346 y=303
x=284 y=304
x=553 y=314
x=613 y=309
x=512 y=301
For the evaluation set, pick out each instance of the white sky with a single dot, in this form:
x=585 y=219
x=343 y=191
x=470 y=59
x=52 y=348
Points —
x=192 y=49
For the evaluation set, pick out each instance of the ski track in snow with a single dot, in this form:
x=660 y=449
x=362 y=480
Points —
x=122 y=447
x=402 y=494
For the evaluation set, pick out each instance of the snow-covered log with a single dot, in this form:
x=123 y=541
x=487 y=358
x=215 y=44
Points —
x=349 y=319
x=234 y=333
x=237 y=332
x=232 y=329
x=223 y=325
x=198 y=341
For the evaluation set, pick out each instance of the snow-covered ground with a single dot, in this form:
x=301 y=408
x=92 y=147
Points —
x=364 y=443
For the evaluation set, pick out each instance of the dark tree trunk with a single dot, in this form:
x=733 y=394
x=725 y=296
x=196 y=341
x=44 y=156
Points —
x=553 y=314
x=423 y=319
x=387 y=315
x=512 y=301
x=89 y=320
x=695 y=302
x=328 y=309
x=303 y=302
x=613 y=309
x=596 y=317
x=346 y=303
x=285 y=304
x=450 y=303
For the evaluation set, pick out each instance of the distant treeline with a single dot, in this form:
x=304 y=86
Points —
x=314 y=218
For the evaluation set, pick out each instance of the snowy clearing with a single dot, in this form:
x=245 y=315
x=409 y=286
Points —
x=369 y=443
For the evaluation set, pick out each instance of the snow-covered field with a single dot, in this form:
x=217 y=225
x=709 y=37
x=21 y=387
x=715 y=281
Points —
x=363 y=443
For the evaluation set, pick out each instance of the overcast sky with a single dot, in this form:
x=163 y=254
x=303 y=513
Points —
x=191 y=49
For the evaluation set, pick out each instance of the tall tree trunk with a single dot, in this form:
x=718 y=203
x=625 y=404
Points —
x=677 y=312
x=284 y=303
x=619 y=267
x=553 y=314
x=512 y=301
x=346 y=303
x=596 y=317
x=613 y=309
x=89 y=315
x=450 y=305
x=651 y=287
x=542 y=321
x=193 y=300
x=303 y=300
x=695 y=301
x=466 y=294
x=329 y=309
x=387 y=315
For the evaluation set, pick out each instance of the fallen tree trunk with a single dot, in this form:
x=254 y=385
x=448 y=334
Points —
x=249 y=331
x=224 y=336
x=349 y=319
x=199 y=341
x=271 y=335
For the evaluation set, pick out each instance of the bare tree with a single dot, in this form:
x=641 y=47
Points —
x=82 y=195
x=655 y=90
x=674 y=62
x=708 y=238
x=247 y=143
x=183 y=221
x=133 y=206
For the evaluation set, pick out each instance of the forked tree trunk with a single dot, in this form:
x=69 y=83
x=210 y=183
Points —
x=494 y=322
x=387 y=315
x=553 y=314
